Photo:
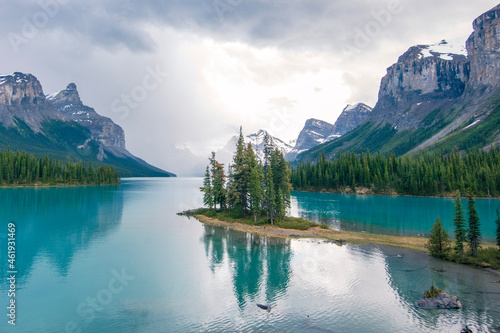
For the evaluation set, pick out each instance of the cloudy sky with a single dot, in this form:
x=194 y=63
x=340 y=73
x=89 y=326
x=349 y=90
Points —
x=188 y=73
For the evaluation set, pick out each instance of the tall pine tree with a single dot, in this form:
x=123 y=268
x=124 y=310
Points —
x=256 y=177
x=439 y=242
x=208 y=198
x=238 y=191
x=269 y=190
x=218 y=182
x=474 y=232
x=460 y=231
x=281 y=173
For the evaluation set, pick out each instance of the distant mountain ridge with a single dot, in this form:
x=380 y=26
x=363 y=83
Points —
x=351 y=117
x=435 y=97
x=60 y=126
x=316 y=132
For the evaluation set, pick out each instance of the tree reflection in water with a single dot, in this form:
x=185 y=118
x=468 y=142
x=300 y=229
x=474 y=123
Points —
x=260 y=266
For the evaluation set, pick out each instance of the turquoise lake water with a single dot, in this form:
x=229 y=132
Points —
x=119 y=259
x=389 y=215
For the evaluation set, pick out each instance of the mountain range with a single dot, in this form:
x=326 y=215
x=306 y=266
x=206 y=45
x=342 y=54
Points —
x=434 y=98
x=61 y=126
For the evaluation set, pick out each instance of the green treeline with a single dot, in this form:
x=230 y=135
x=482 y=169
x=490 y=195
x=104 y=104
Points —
x=475 y=173
x=251 y=187
x=21 y=168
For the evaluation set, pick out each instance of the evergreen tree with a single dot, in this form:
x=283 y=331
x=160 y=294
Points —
x=231 y=195
x=281 y=173
x=439 y=242
x=269 y=189
x=460 y=232
x=256 y=177
x=238 y=191
x=474 y=231
x=208 y=198
x=218 y=182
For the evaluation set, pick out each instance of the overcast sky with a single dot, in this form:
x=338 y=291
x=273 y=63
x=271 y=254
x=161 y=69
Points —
x=188 y=73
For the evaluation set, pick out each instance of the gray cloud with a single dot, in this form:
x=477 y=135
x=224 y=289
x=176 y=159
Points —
x=316 y=24
x=105 y=45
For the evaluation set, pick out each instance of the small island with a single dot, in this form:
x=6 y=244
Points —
x=255 y=196
x=435 y=298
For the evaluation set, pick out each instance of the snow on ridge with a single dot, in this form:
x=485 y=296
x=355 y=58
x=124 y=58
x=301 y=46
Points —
x=20 y=77
x=445 y=50
x=350 y=107
x=50 y=97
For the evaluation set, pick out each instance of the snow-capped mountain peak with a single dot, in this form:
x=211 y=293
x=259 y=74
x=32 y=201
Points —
x=225 y=155
x=257 y=141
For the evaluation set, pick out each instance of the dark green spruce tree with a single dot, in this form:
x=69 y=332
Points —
x=256 y=178
x=439 y=242
x=269 y=189
x=239 y=179
x=281 y=172
x=218 y=182
x=474 y=234
x=208 y=197
x=460 y=231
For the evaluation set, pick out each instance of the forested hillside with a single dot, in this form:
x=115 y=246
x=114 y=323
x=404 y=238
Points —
x=476 y=173
x=21 y=168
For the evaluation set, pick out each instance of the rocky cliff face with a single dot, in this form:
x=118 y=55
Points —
x=314 y=132
x=351 y=117
x=103 y=129
x=483 y=47
x=21 y=97
x=435 y=97
x=423 y=77
x=61 y=127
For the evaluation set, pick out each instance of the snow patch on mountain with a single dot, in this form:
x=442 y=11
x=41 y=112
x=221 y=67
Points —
x=444 y=50
x=225 y=155
x=17 y=77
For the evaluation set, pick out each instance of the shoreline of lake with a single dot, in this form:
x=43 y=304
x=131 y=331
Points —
x=329 y=235
x=352 y=237
x=367 y=192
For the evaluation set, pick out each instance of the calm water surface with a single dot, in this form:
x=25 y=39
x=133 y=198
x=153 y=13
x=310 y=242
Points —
x=389 y=215
x=118 y=259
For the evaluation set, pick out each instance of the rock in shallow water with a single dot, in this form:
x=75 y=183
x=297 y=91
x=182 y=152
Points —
x=441 y=301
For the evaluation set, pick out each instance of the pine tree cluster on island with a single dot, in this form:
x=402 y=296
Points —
x=250 y=186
